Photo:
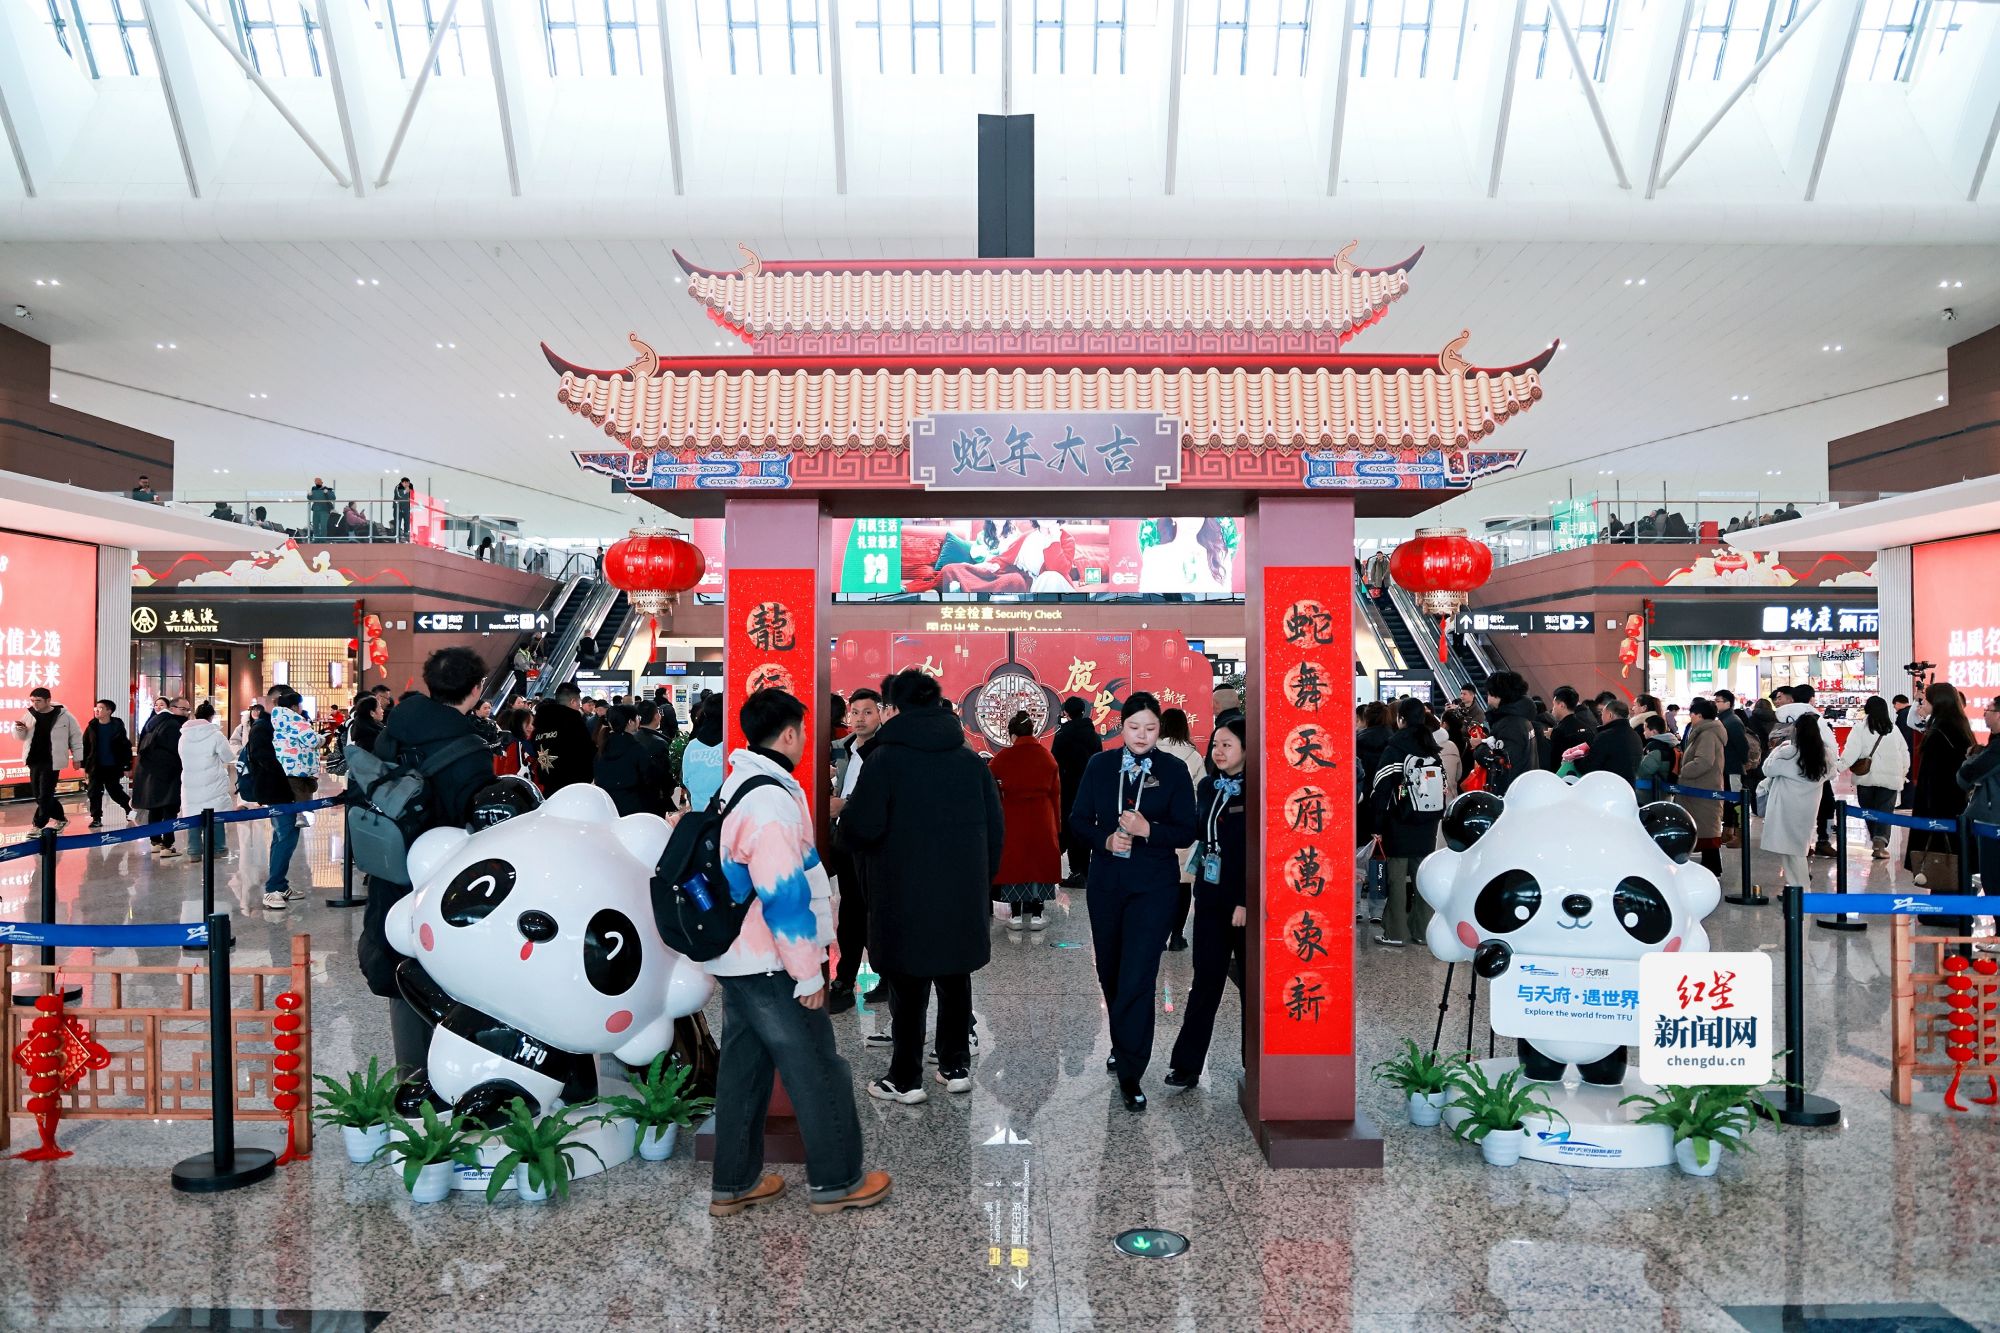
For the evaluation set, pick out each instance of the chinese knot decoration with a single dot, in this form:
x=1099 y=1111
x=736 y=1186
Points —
x=1441 y=565
x=288 y=1038
x=653 y=567
x=55 y=1056
x=1962 y=1042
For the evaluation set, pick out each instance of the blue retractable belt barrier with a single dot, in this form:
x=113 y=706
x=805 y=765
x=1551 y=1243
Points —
x=1901 y=904
x=1918 y=822
x=1981 y=829
x=171 y=936
x=133 y=832
x=1698 y=793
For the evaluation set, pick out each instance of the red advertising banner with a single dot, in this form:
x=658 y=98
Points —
x=770 y=636
x=1308 y=811
x=989 y=675
x=48 y=634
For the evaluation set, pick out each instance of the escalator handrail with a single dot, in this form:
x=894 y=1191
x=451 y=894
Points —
x=1448 y=672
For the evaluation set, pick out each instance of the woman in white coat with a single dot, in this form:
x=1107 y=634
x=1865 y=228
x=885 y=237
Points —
x=208 y=776
x=1789 y=793
x=1887 y=766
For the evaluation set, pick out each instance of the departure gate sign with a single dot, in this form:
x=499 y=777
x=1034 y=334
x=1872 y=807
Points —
x=1045 y=451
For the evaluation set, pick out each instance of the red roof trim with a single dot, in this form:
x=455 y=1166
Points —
x=776 y=267
x=738 y=365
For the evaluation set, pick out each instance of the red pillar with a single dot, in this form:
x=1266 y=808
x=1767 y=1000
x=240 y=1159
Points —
x=776 y=592
x=1298 y=1090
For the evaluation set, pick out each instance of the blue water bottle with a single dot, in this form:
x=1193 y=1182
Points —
x=697 y=889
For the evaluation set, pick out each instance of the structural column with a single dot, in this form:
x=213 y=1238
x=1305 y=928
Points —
x=1299 y=1072
x=775 y=555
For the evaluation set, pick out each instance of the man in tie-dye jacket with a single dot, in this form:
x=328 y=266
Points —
x=773 y=985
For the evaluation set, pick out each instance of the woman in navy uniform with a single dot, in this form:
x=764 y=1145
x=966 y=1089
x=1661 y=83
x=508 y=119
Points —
x=1220 y=905
x=1135 y=806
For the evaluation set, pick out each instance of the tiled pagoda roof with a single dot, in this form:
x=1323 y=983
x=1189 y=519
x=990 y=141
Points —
x=771 y=299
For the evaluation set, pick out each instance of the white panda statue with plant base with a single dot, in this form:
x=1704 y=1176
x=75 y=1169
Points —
x=1577 y=871
x=531 y=946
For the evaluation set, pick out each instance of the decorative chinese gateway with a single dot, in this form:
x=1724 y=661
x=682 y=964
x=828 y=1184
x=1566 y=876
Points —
x=1130 y=387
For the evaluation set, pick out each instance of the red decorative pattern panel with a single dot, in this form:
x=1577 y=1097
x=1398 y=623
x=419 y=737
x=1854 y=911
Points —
x=1307 y=805
x=770 y=631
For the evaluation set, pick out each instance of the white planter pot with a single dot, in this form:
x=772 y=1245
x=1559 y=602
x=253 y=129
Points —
x=364 y=1145
x=1426 y=1108
x=1684 y=1155
x=433 y=1183
x=1503 y=1147
x=656 y=1142
x=522 y=1189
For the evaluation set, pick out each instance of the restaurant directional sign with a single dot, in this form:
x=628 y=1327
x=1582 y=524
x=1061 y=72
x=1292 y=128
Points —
x=1525 y=622
x=480 y=622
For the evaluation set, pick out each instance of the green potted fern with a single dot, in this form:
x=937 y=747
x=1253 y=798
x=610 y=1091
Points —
x=1496 y=1111
x=541 y=1153
x=362 y=1108
x=1423 y=1079
x=427 y=1152
x=661 y=1106
x=1703 y=1120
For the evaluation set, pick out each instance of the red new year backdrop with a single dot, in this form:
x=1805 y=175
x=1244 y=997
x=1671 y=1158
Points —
x=1307 y=737
x=48 y=632
x=772 y=623
x=989 y=675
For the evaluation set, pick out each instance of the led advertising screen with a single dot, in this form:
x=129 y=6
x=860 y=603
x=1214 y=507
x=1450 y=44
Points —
x=1956 y=614
x=48 y=634
x=1021 y=557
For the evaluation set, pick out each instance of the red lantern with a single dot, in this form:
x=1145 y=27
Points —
x=1441 y=565
x=652 y=567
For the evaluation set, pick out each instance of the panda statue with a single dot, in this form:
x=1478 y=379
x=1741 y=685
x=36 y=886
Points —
x=1568 y=871
x=530 y=945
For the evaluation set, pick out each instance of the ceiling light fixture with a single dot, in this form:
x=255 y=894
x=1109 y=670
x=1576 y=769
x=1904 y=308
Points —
x=1940 y=397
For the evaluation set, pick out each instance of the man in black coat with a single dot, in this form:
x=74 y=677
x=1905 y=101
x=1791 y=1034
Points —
x=1574 y=725
x=1510 y=720
x=564 y=752
x=107 y=758
x=421 y=725
x=156 y=787
x=924 y=818
x=1616 y=748
x=656 y=770
x=1735 y=758
x=1075 y=741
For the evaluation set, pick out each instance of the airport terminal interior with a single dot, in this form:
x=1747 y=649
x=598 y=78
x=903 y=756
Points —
x=1000 y=664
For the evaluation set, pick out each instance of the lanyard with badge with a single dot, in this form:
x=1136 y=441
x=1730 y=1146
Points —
x=1132 y=765
x=1226 y=790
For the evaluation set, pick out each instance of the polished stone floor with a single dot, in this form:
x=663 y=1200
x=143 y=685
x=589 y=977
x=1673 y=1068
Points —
x=1894 y=1216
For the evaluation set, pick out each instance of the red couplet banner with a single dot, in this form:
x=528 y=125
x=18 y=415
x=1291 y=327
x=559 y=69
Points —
x=772 y=624
x=1307 y=767
x=48 y=633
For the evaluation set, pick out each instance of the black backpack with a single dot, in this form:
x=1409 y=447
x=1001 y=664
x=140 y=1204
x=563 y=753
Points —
x=691 y=901
x=391 y=801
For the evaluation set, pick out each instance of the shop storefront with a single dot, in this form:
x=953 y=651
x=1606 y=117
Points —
x=1752 y=646
x=231 y=650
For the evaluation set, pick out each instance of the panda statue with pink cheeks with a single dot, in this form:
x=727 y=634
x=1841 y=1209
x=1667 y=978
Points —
x=1567 y=871
x=530 y=945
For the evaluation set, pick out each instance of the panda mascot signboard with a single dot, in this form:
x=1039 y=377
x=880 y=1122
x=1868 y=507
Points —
x=1553 y=895
x=531 y=945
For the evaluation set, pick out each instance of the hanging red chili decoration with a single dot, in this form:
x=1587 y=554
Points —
x=652 y=567
x=1441 y=566
x=287 y=1080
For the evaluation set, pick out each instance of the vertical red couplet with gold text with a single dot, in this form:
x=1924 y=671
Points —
x=1307 y=765
x=771 y=624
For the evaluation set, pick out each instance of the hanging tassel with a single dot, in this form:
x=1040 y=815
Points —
x=1444 y=639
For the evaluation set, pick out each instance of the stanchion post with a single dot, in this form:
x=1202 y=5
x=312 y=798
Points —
x=346 y=898
x=45 y=854
x=1842 y=920
x=1747 y=893
x=224 y=1166
x=1965 y=854
x=1799 y=1107
x=207 y=864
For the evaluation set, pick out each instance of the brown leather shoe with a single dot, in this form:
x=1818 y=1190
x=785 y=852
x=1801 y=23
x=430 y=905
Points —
x=874 y=1188
x=770 y=1187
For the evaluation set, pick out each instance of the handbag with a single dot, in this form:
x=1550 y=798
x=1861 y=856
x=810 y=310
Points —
x=1938 y=870
x=1859 y=768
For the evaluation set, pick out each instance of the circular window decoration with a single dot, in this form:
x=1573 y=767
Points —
x=1011 y=690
